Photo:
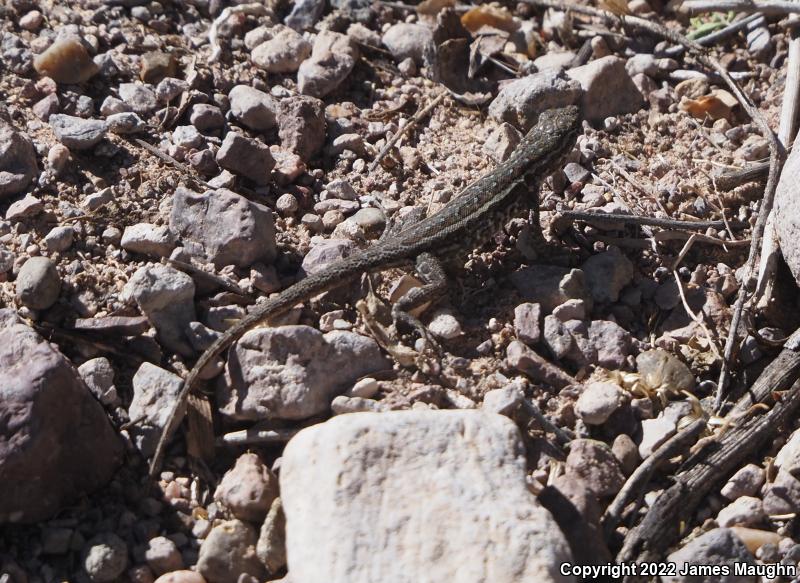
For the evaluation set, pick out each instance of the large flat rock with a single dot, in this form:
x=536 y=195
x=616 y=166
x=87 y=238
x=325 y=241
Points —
x=417 y=497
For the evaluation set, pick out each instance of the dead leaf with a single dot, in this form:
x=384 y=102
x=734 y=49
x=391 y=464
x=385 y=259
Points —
x=718 y=104
x=433 y=7
x=488 y=15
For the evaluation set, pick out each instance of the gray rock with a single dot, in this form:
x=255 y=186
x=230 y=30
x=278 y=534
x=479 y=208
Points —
x=125 y=123
x=625 y=450
x=606 y=274
x=246 y=157
x=503 y=401
x=570 y=310
x=576 y=173
x=223 y=227
x=140 y=98
x=38 y=284
x=660 y=369
x=162 y=555
x=206 y=117
x=608 y=88
x=759 y=43
x=98 y=374
x=17 y=161
x=59 y=238
x=169 y=88
x=783 y=495
x=229 y=552
x=594 y=463
x=333 y=57
x=520 y=102
x=282 y=51
x=654 y=433
x=28 y=206
x=408 y=41
x=554 y=60
x=6 y=260
x=77 y=133
x=254 y=108
x=47 y=460
x=154 y=391
x=550 y=285
x=527 y=318
x=111 y=105
x=293 y=372
x=248 y=489
x=187 y=137
x=787 y=213
x=744 y=511
x=149 y=239
x=747 y=481
x=301 y=123
x=104 y=558
x=716 y=547
x=558 y=338
x=598 y=401
x=166 y=296
x=305 y=14
x=271 y=546
x=335 y=477
x=325 y=253
x=599 y=342
x=520 y=357
x=502 y=141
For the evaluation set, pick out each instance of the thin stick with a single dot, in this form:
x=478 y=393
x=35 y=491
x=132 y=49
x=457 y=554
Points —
x=763 y=6
x=776 y=156
x=402 y=131
x=723 y=33
x=639 y=478
x=170 y=160
x=640 y=220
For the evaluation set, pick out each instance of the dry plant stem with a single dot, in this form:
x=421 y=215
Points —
x=638 y=479
x=588 y=216
x=732 y=28
x=768 y=7
x=218 y=280
x=402 y=131
x=776 y=157
x=696 y=318
x=257 y=437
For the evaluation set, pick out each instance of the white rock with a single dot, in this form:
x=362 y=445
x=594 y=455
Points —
x=477 y=521
x=597 y=402
x=154 y=391
x=148 y=239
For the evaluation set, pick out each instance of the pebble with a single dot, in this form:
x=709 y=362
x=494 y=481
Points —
x=58 y=157
x=153 y=390
x=527 y=318
x=181 y=577
x=608 y=88
x=570 y=310
x=31 y=21
x=169 y=88
x=301 y=122
x=408 y=41
x=246 y=157
x=248 y=489
x=305 y=14
x=520 y=357
x=206 y=117
x=255 y=109
x=744 y=511
x=333 y=57
x=720 y=546
x=105 y=558
x=112 y=105
x=148 y=239
x=606 y=274
x=229 y=552
x=654 y=433
x=747 y=481
x=271 y=546
x=625 y=450
x=38 y=284
x=598 y=401
x=98 y=374
x=140 y=98
x=125 y=122
x=444 y=325
x=24 y=208
x=154 y=66
x=59 y=238
x=46 y=107
x=502 y=141
x=282 y=51
x=520 y=102
x=365 y=388
x=17 y=161
x=505 y=401
x=77 y=133
x=594 y=463
x=66 y=61
x=163 y=556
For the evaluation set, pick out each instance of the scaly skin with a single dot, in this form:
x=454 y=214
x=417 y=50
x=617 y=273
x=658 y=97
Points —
x=469 y=220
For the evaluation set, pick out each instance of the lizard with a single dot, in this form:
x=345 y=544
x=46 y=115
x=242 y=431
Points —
x=479 y=211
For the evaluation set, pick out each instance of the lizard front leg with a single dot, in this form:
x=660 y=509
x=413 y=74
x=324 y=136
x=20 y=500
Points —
x=432 y=274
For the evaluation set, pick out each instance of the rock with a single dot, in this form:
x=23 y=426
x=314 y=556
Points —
x=301 y=123
x=606 y=274
x=503 y=401
x=47 y=459
x=716 y=547
x=17 y=161
x=223 y=227
x=747 y=481
x=660 y=369
x=162 y=555
x=744 y=511
x=140 y=98
x=408 y=41
x=170 y=88
x=149 y=239
x=38 y=284
x=550 y=285
x=333 y=57
x=305 y=14
x=570 y=310
x=788 y=457
x=325 y=253
x=594 y=463
x=206 y=117
x=154 y=391
x=608 y=88
x=66 y=61
x=31 y=21
x=520 y=357
x=654 y=433
x=26 y=207
x=598 y=401
x=249 y=158
x=155 y=66
x=520 y=102
x=255 y=109
x=229 y=552
x=98 y=374
x=502 y=141
x=555 y=60
x=625 y=450
x=271 y=546
x=77 y=133
x=599 y=342
x=7 y=259
x=187 y=137
x=576 y=173
x=166 y=296
x=46 y=107
x=526 y=322
x=282 y=51
x=248 y=489
x=787 y=213
x=444 y=325
x=336 y=475
x=181 y=577
x=105 y=558
x=759 y=43
x=293 y=372
x=783 y=495
x=124 y=123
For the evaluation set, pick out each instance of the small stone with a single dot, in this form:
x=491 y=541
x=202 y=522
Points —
x=112 y=105
x=249 y=158
x=747 y=481
x=593 y=462
x=58 y=157
x=654 y=433
x=206 y=117
x=608 y=88
x=77 y=133
x=162 y=555
x=125 y=123
x=305 y=14
x=17 y=161
x=333 y=57
x=248 y=489
x=31 y=21
x=287 y=204
x=576 y=173
x=148 y=239
x=625 y=450
x=783 y=495
x=98 y=199
x=170 y=88
x=365 y=388
x=105 y=558
x=59 y=238
x=550 y=285
x=520 y=357
x=606 y=274
x=444 y=325
x=141 y=98
x=155 y=66
x=25 y=208
x=716 y=547
x=282 y=52
x=598 y=402
x=228 y=552
x=66 y=61
x=181 y=577
x=254 y=108
x=302 y=125
x=153 y=390
x=744 y=511
x=521 y=101
x=271 y=546
x=46 y=107
x=98 y=374
x=408 y=40
x=38 y=284
x=502 y=141
x=527 y=318
x=505 y=401
x=570 y=310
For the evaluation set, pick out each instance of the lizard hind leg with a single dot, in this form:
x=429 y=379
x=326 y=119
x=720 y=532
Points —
x=432 y=274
